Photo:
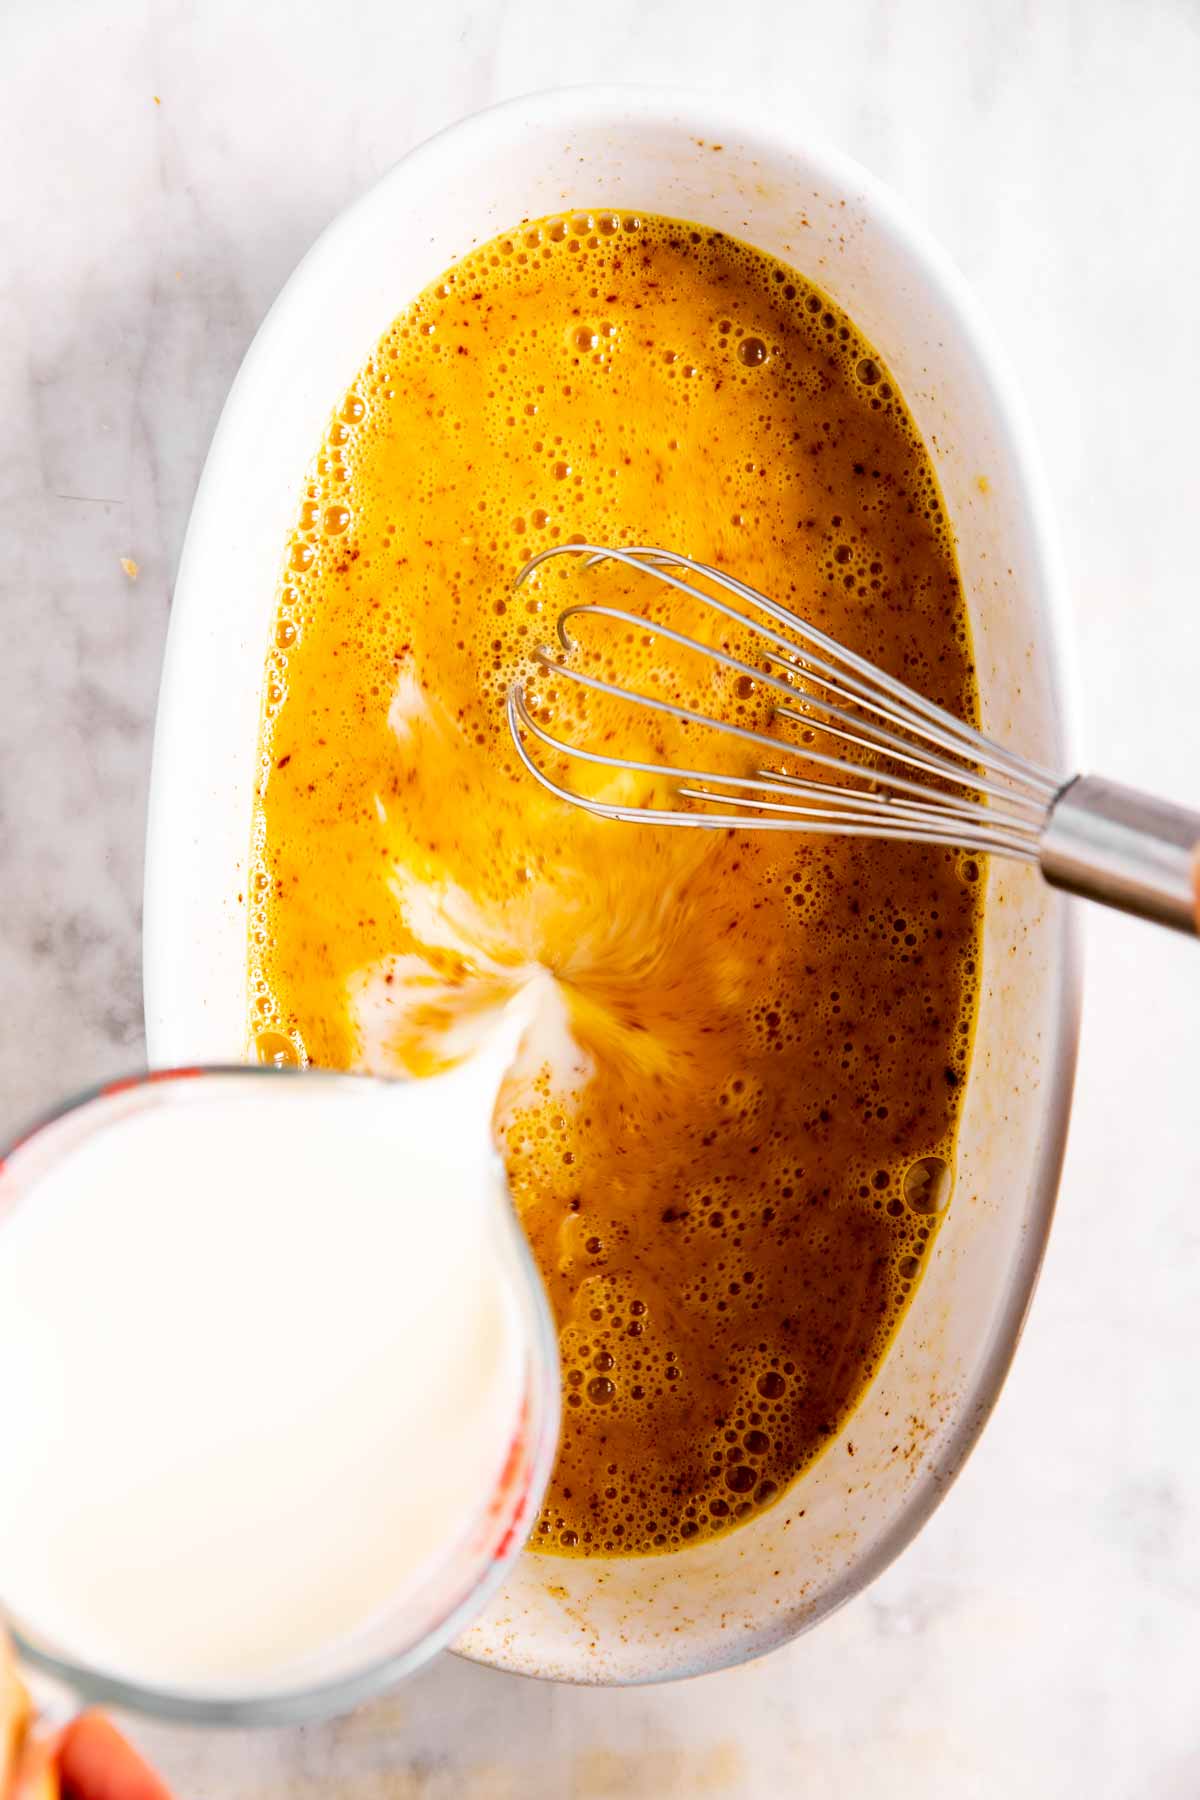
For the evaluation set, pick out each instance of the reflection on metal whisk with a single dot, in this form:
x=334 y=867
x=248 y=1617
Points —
x=879 y=760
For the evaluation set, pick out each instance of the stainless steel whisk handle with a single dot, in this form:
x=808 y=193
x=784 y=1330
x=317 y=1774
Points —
x=1124 y=848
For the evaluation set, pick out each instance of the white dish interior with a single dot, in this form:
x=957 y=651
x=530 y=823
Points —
x=783 y=190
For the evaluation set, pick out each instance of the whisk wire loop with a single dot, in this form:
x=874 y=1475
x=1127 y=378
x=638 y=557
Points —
x=959 y=787
x=879 y=760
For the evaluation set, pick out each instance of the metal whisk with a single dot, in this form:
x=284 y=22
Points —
x=890 y=763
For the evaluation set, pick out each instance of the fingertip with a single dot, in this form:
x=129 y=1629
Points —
x=97 y=1763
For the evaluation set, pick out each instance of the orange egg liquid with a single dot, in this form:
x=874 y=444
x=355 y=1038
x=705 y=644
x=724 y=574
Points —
x=721 y=1159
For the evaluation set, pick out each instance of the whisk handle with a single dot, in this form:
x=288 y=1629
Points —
x=1125 y=849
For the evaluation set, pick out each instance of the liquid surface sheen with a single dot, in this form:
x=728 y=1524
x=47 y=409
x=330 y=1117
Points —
x=727 y=1142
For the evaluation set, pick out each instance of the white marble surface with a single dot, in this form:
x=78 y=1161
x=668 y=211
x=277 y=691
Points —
x=162 y=167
